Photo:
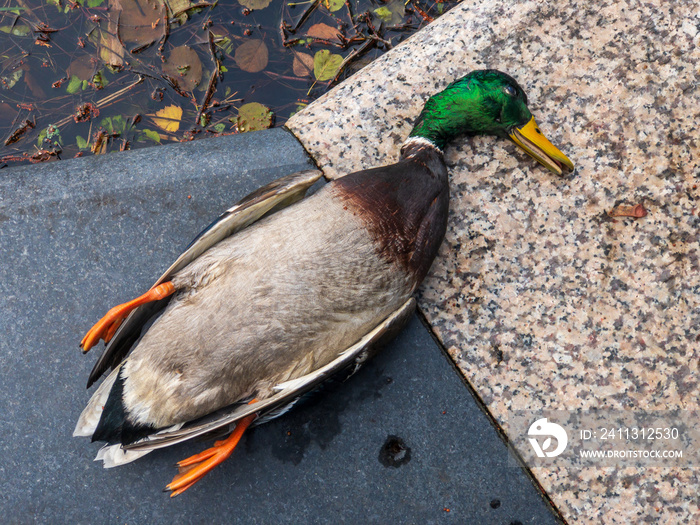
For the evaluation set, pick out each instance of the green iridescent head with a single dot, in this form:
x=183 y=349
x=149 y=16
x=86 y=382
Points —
x=487 y=102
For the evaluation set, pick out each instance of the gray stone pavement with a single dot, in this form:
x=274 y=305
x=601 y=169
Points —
x=79 y=236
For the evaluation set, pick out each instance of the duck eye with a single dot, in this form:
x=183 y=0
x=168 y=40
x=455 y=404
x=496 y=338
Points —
x=509 y=90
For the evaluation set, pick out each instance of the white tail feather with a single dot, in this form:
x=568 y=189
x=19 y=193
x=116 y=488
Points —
x=115 y=455
x=90 y=417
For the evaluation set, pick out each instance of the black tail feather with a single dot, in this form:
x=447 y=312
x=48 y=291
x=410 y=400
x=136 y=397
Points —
x=114 y=426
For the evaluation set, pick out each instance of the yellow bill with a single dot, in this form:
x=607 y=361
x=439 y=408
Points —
x=534 y=143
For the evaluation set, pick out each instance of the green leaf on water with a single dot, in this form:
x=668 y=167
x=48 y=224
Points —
x=107 y=124
x=94 y=3
x=297 y=109
x=17 y=30
x=383 y=13
x=74 y=84
x=253 y=116
x=10 y=80
x=49 y=137
x=150 y=134
x=118 y=124
x=392 y=13
x=225 y=44
x=99 y=80
x=220 y=127
x=114 y=125
x=326 y=65
x=335 y=5
x=81 y=142
x=255 y=4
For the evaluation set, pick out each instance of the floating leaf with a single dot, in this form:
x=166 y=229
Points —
x=141 y=21
x=9 y=81
x=74 y=85
x=178 y=8
x=111 y=49
x=7 y=114
x=226 y=45
x=334 y=5
x=81 y=68
x=253 y=116
x=383 y=13
x=220 y=127
x=251 y=56
x=326 y=65
x=81 y=142
x=185 y=67
x=99 y=80
x=150 y=134
x=323 y=31
x=255 y=4
x=168 y=118
x=17 y=30
x=392 y=13
x=49 y=137
x=34 y=86
x=303 y=64
x=94 y=3
x=115 y=125
x=21 y=130
x=297 y=109
x=99 y=142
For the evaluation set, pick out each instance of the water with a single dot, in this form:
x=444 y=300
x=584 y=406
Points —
x=106 y=75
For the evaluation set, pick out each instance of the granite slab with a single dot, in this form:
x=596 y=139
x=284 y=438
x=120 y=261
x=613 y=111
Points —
x=542 y=298
x=401 y=442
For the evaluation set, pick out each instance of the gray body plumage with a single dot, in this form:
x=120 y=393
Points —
x=269 y=304
x=268 y=308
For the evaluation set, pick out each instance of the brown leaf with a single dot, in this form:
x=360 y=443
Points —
x=82 y=68
x=34 y=87
x=141 y=21
x=7 y=114
x=636 y=212
x=323 y=31
x=184 y=66
x=251 y=56
x=111 y=49
x=303 y=64
x=255 y=4
x=17 y=134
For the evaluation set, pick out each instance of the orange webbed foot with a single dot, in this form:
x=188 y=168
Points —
x=106 y=327
x=196 y=467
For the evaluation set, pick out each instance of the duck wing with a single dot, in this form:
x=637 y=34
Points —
x=262 y=202
x=288 y=392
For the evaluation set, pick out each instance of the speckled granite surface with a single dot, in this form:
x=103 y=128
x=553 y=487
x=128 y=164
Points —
x=543 y=299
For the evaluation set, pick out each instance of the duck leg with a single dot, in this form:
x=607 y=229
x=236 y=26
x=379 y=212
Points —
x=107 y=326
x=196 y=467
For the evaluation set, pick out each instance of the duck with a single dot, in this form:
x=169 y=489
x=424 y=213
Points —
x=285 y=290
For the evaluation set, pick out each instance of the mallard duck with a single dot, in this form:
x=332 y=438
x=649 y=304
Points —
x=283 y=291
